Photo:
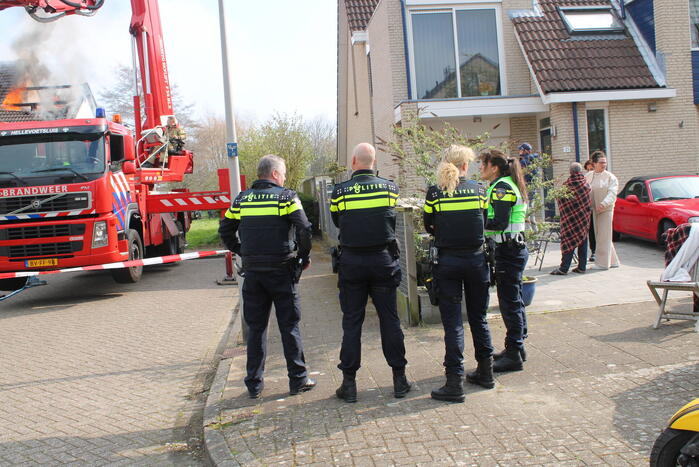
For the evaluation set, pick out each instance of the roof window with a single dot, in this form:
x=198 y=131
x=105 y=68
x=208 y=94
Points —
x=595 y=20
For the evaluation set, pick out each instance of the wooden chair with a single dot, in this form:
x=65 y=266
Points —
x=692 y=286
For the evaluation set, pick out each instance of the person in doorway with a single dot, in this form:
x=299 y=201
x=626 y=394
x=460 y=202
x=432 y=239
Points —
x=604 y=186
x=453 y=214
x=507 y=209
x=575 y=221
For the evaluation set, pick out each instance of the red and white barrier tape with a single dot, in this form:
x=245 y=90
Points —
x=119 y=265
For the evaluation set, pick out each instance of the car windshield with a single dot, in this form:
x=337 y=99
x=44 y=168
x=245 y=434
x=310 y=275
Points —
x=675 y=188
x=51 y=159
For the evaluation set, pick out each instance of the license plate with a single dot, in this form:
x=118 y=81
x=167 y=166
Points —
x=41 y=263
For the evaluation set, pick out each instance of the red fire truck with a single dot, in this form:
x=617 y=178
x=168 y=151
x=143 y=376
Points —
x=82 y=191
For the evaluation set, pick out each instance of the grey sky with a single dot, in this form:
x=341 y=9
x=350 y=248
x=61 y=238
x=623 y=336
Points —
x=284 y=53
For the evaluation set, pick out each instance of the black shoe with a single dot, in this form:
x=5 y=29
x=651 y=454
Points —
x=348 y=390
x=255 y=393
x=452 y=391
x=297 y=388
x=522 y=354
x=592 y=258
x=579 y=271
x=511 y=360
x=401 y=386
x=558 y=272
x=483 y=376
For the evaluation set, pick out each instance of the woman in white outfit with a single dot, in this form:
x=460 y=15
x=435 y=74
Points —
x=604 y=187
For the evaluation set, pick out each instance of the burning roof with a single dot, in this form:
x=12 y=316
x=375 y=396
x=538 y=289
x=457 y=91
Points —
x=21 y=100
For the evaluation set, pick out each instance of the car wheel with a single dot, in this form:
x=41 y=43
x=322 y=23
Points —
x=664 y=227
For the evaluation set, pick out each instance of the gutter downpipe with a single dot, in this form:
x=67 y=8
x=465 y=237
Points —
x=405 y=49
x=576 y=131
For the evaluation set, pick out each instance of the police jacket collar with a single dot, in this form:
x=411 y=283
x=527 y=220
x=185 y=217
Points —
x=357 y=173
x=264 y=183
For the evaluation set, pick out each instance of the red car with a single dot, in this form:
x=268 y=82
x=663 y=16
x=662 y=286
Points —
x=649 y=205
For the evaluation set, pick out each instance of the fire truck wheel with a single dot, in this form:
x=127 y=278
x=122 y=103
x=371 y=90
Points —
x=133 y=274
x=173 y=245
x=12 y=284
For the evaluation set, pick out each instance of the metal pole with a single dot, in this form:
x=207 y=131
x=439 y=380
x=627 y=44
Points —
x=231 y=135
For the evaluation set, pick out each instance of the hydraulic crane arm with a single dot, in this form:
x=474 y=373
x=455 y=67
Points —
x=147 y=35
x=50 y=10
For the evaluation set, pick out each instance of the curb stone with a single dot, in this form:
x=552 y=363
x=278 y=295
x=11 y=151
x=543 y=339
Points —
x=215 y=444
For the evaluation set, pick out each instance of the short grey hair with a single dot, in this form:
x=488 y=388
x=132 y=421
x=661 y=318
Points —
x=268 y=164
x=576 y=168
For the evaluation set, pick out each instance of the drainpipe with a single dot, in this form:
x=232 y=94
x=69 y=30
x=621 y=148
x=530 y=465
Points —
x=622 y=9
x=576 y=131
x=405 y=49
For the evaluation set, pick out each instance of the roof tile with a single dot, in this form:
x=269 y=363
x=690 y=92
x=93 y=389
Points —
x=561 y=63
x=359 y=13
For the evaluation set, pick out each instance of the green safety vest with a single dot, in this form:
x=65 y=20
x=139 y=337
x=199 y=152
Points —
x=518 y=214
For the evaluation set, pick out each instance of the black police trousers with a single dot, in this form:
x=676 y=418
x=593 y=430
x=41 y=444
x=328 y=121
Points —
x=360 y=275
x=510 y=262
x=458 y=275
x=260 y=290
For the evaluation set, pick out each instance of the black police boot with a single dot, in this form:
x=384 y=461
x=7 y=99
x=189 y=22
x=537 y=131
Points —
x=511 y=360
x=401 y=386
x=255 y=393
x=452 y=391
x=483 y=376
x=522 y=353
x=348 y=390
x=296 y=387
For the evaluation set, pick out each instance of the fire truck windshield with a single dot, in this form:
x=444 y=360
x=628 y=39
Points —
x=51 y=159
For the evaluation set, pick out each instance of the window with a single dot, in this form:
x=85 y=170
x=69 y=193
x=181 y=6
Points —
x=637 y=188
x=442 y=39
x=435 y=68
x=591 y=21
x=694 y=22
x=675 y=188
x=597 y=130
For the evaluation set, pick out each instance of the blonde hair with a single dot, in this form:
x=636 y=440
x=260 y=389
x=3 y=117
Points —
x=448 y=169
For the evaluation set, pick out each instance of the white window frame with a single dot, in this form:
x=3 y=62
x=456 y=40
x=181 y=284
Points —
x=691 y=33
x=607 y=140
x=452 y=10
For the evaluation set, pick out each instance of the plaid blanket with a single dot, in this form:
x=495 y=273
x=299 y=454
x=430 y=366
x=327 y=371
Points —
x=674 y=238
x=575 y=213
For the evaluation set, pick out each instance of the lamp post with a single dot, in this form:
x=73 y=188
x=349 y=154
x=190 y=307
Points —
x=231 y=135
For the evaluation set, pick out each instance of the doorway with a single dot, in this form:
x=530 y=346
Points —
x=545 y=145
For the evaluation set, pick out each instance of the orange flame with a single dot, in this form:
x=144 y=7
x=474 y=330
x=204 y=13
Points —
x=14 y=97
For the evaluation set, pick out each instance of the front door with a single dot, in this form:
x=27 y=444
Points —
x=545 y=145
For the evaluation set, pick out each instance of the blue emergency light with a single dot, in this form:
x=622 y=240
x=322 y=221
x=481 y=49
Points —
x=100 y=113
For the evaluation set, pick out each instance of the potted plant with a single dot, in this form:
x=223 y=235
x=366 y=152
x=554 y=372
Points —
x=528 y=289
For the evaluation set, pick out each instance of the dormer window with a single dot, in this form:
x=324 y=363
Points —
x=595 y=20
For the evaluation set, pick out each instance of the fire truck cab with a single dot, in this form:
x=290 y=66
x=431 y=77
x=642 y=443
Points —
x=69 y=198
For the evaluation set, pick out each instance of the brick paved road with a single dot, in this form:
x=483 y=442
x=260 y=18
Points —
x=96 y=373
x=598 y=387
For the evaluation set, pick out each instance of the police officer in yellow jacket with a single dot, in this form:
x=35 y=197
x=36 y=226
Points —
x=507 y=210
x=267 y=227
x=453 y=214
x=364 y=210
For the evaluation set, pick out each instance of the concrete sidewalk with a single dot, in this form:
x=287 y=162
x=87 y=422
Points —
x=597 y=389
x=640 y=261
